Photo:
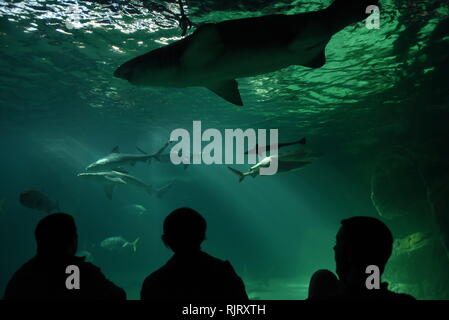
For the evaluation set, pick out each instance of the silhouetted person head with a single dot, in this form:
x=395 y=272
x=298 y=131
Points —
x=56 y=235
x=184 y=230
x=361 y=241
x=323 y=285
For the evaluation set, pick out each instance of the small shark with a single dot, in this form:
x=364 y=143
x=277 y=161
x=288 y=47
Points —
x=110 y=179
x=116 y=160
x=117 y=243
x=296 y=157
x=282 y=167
x=136 y=209
x=218 y=53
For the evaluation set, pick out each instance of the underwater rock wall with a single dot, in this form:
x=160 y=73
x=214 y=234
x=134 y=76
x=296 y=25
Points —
x=415 y=203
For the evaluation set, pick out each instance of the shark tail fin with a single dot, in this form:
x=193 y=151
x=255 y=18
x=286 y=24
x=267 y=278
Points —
x=238 y=173
x=134 y=244
x=157 y=155
x=145 y=153
x=162 y=190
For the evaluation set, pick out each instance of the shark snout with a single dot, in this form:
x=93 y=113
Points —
x=124 y=72
x=90 y=167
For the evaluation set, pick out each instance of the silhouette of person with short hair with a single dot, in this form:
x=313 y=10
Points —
x=323 y=285
x=44 y=276
x=191 y=274
x=360 y=242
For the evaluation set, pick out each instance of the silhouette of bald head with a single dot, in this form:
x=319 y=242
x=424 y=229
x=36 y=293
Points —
x=362 y=241
x=56 y=234
x=184 y=230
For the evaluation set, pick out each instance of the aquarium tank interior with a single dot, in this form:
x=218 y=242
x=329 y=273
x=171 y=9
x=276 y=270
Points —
x=374 y=112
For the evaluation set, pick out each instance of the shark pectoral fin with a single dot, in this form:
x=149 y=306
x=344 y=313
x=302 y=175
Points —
x=116 y=180
x=204 y=47
x=109 y=190
x=228 y=90
x=317 y=62
x=122 y=171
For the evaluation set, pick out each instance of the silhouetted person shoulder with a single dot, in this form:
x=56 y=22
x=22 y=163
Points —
x=191 y=274
x=44 y=276
x=360 y=242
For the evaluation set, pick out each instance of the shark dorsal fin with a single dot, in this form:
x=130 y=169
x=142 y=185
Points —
x=115 y=150
x=114 y=179
x=228 y=90
x=302 y=141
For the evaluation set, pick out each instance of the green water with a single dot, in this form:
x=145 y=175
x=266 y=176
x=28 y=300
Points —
x=378 y=111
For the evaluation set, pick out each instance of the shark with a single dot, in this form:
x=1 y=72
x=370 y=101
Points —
x=111 y=179
x=255 y=170
x=216 y=54
x=297 y=156
x=116 y=160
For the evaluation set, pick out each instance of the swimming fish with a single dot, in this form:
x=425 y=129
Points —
x=36 y=200
x=117 y=243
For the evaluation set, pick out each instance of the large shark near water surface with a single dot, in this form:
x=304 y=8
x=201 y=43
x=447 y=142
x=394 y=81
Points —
x=217 y=54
